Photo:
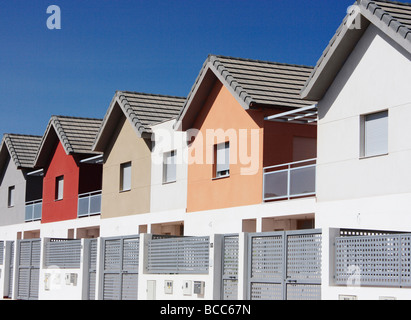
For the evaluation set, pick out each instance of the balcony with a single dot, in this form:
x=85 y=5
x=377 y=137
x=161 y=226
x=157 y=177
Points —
x=89 y=204
x=33 y=210
x=289 y=181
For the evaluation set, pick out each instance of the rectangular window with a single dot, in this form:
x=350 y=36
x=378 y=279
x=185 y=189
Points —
x=170 y=167
x=59 y=188
x=374 y=131
x=125 y=176
x=222 y=160
x=10 y=200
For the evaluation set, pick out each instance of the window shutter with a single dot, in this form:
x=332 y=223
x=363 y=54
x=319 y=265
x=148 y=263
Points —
x=376 y=134
x=126 y=176
x=60 y=188
x=223 y=157
x=170 y=167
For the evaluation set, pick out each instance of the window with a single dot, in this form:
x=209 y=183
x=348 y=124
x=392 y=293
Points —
x=10 y=199
x=59 y=188
x=374 y=131
x=170 y=167
x=222 y=160
x=125 y=176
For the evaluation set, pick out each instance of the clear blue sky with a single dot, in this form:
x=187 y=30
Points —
x=147 y=46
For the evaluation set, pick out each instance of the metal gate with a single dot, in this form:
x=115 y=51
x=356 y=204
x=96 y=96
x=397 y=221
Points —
x=229 y=285
x=284 y=265
x=91 y=265
x=119 y=276
x=28 y=269
x=9 y=273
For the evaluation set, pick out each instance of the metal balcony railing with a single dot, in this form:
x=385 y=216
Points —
x=290 y=180
x=89 y=204
x=33 y=210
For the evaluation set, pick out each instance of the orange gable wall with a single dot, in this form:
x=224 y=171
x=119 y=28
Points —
x=222 y=111
x=65 y=209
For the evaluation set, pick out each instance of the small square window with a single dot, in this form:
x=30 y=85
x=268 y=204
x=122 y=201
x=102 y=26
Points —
x=59 y=188
x=170 y=167
x=374 y=134
x=10 y=199
x=222 y=160
x=125 y=176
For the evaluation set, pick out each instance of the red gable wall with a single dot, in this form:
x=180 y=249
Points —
x=61 y=164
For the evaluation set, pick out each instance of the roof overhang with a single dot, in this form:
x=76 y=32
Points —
x=93 y=160
x=117 y=109
x=210 y=73
x=335 y=55
x=304 y=115
x=354 y=25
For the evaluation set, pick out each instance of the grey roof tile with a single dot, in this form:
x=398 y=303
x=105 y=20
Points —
x=22 y=148
x=263 y=82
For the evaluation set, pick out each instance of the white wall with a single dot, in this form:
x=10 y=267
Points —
x=211 y=291
x=170 y=196
x=376 y=77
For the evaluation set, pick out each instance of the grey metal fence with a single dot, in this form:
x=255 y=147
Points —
x=229 y=272
x=285 y=265
x=188 y=255
x=28 y=269
x=62 y=253
x=383 y=260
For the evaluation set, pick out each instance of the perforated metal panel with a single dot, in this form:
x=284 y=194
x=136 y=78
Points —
x=2 y=249
x=28 y=258
x=120 y=268
x=63 y=253
x=188 y=255
x=373 y=260
x=10 y=253
x=91 y=256
x=230 y=267
x=303 y=292
x=285 y=265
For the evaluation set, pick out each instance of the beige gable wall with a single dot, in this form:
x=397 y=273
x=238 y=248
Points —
x=126 y=146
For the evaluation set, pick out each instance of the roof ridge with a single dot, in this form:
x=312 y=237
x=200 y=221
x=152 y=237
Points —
x=262 y=61
x=150 y=94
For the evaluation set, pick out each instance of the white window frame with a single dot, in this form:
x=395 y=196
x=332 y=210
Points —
x=170 y=167
x=59 y=191
x=374 y=134
x=11 y=194
x=222 y=160
x=125 y=176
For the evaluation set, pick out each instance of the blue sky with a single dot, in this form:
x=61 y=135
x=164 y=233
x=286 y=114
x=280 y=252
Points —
x=146 y=46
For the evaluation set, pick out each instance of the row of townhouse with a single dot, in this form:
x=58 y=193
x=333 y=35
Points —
x=255 y=147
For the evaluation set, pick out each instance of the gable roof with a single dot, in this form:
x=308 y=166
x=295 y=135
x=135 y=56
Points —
x=252 y=82
x=21 y=148
x=141 y=109
x=75 y=134
x=393 y=18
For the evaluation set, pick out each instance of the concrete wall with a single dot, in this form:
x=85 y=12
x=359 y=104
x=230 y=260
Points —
x=366 y=192
x=12 y=177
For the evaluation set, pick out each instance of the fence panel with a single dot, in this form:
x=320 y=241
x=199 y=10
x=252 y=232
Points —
x=63 y=254
x=383 y=260
x=188 y=255
x=230 y=267
x=285 y=265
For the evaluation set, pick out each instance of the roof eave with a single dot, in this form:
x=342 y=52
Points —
x=212 y=70
x=345 y=40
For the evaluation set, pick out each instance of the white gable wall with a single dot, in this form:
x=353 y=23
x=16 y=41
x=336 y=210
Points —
x=371 y=193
